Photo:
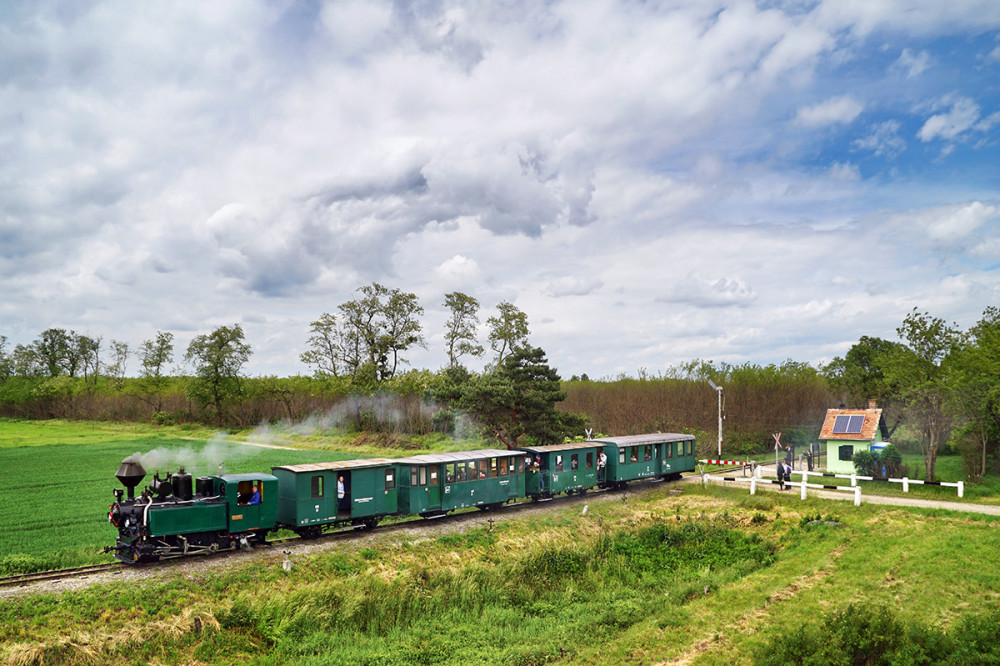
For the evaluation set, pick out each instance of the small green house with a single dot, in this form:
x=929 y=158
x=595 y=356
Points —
x=847 y=431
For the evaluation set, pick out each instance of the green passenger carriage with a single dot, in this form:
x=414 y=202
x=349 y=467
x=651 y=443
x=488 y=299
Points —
x=633 y=457
x=562 y=468
x=434 y=484
x=309 y=494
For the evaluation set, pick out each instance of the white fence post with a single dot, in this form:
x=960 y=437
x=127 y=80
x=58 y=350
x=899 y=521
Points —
x=906 y=485
x=803 y=493
x=857 y=496
x=961 y=488
x=753 y=486
x=854 y=480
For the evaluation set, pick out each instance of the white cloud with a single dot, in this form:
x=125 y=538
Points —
x=710 y=293
x=960 y=118
x=836 y=110
x=914 y=64
x=845 y=171
x=602 y=164
x=883 y=139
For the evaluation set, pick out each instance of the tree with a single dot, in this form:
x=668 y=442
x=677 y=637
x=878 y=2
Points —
x=154 y=355
x=88 y=352
x=54 y=350
x=974 y=376
x=508 y=330
x=460 y=329
x=26 y=361
x=860 y=374
x=518 y=400
x=120 y=352
x=218 y=356
x=325 y=346
x=6 y=360
x=916 y=369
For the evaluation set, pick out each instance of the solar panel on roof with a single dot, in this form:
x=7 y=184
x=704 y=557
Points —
x=849 y=424
x=857 y=423
x=841 y=423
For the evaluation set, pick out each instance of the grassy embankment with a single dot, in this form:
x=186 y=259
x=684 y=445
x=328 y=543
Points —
x=671 y=573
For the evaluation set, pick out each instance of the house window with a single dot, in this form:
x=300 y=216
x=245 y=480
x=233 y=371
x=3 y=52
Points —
x=845 y=452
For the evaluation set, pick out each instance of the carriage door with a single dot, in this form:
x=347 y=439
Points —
x=433 y=486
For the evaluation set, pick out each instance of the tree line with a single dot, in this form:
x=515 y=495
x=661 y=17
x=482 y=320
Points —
x=938 y=386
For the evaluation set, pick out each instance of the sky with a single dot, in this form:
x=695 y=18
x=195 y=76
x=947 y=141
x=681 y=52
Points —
x=649 y=182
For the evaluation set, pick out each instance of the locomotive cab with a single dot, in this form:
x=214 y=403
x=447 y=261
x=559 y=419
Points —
x=169 y=518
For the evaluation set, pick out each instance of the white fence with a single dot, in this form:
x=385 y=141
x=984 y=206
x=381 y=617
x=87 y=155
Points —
x=960 y=485
x=803 y=485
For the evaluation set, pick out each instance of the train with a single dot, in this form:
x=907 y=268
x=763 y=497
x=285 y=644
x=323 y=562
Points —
x=179 y=515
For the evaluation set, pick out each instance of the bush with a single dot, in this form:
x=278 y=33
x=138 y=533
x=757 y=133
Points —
x=873 y=636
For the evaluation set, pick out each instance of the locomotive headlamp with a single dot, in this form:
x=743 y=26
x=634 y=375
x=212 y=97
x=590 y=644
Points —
x=118 y=494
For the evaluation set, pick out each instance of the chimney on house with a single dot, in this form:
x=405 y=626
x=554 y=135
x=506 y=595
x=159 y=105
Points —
x=872 y=404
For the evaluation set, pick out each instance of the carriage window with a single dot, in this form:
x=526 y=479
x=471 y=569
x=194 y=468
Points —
x=590 y=460
x=390 y=479
x=484 y=468
x=512 y=466
x=648 y=452
x=621 y=456
x=423 y=476
x=690 y=447
x=634 y=455
x=434 y=476
x=558 y=463
x=668 y=450
x=413 y=477
x=493 y=468
x=502 y=467
x=317 y=486
x=574 y=461
x=453 y=472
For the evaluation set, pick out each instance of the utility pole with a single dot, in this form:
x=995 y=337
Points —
x=718 y=389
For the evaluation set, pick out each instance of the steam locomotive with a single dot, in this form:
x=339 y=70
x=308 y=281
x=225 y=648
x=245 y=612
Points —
x=178 y=515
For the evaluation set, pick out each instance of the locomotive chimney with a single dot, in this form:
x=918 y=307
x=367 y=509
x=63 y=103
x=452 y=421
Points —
x=130 y=473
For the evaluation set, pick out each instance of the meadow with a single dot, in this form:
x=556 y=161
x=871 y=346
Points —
x=57 y=480
x=686 y=574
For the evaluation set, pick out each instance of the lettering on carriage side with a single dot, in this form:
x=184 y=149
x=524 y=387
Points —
x=238 y=516
x=447 y=490
x=505 y=482
x=363 y=500
x=317 y=508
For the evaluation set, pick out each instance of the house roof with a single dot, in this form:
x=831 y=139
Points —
x=868 y=431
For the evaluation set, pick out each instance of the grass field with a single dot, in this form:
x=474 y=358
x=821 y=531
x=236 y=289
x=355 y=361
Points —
x=57 y=478
x=685 y=575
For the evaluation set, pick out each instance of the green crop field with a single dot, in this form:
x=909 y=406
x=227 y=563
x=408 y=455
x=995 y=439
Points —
x=57 y=478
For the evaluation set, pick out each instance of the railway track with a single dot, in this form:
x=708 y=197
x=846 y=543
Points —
x=57 y=574
x=20 y=580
